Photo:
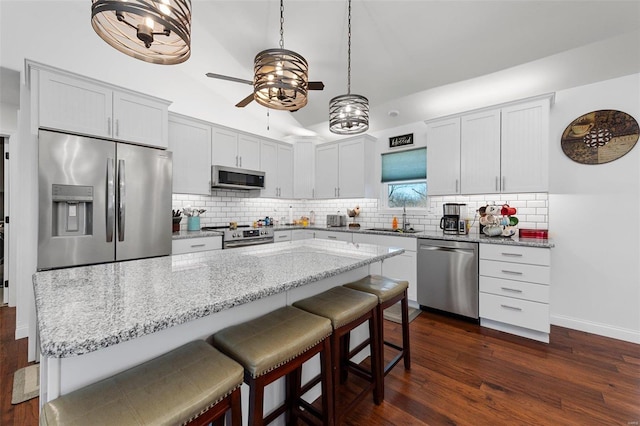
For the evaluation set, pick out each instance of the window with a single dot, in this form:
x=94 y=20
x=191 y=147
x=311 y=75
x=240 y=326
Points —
x=404 y=178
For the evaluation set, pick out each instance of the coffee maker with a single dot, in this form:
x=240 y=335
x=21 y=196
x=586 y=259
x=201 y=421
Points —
x=452 y=221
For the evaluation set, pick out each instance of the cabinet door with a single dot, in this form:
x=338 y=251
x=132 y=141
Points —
x=280 y=236
x=303 y=169
x=248 y=152
x=190 y=142
x=443 y=157
x=74 y=105
x=525 y=147
x=140 y=119
x=326 y=171
x=403 y=267
x=333 y=235
x=225 y=148
x=269 y=165
x=351 y=169
x=480 y=153
x=285 y=171
x=301 y=234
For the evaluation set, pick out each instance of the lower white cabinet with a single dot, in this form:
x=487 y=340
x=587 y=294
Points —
x=403 y=266
x=192 y=245
x=333 y=235
x=302 y=234
x=514 y=290
x=280 y=236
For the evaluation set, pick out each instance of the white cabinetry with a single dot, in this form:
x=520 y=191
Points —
x=276 y=160
x=514 y=289
x=443 y=156
x=190 y=141
x=525 y=147
x=80 y=105
x=301 y=234
x=333 y=235
x=192 y=245
x=480 y=152
x=280 y=236
x=403 y=266
x=233 y=149
x=303 y=169
x=345 y=169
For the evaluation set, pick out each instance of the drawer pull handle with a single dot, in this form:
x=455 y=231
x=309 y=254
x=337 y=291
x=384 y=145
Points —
x=197 y=245
x=504 y=271
x=515 y=290
x=282 y=236
x=513 y=308
x=512 y=254
x=332 y=237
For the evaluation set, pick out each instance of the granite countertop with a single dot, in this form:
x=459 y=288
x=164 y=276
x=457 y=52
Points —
x=84 y=309
x=181 y=235
x=473 y=237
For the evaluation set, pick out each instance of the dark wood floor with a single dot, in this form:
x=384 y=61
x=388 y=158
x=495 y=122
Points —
x=462 y=375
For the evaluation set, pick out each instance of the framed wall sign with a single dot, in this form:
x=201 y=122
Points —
x=397 y=141
x=599 y=137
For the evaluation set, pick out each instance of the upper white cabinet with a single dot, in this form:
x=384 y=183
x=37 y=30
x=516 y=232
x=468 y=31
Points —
x=276 y=161
x=234 y=149
x=443 y=156
x=502 y=149
x=525 y=147
x=303 y=169
x=345 y=169
x=76 y=104
x=480 y=152
x=190 y=141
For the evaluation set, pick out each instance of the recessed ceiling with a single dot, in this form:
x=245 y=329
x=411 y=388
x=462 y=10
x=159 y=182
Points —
x=405 y=54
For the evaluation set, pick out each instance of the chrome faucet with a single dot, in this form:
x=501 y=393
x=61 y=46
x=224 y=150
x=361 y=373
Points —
x=405 y=224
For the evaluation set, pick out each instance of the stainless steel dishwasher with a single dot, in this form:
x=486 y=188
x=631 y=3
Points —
x=448 y=276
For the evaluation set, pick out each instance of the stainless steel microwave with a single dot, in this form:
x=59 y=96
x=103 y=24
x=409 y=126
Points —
x=233 y=178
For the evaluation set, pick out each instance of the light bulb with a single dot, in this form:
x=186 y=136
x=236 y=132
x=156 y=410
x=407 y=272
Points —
x=148 y=22
x=164 y=7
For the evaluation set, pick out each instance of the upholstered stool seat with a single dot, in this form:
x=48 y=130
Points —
x=276 y=345
x=389 y=292
x=194 y=384
x=347 y=309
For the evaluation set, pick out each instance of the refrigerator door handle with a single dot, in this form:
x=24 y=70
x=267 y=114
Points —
x=121 y=200
x=110 y=200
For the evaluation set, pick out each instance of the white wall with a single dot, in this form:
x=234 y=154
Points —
x=594 y=221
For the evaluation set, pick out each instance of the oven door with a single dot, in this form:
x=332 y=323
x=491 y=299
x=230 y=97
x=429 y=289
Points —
x=247 y=242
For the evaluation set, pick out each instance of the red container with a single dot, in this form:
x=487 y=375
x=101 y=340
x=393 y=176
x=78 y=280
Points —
x=541 y=234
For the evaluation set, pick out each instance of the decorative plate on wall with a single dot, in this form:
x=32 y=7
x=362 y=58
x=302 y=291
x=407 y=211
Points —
x=600 y=136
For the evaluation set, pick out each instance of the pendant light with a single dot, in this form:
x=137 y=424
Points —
x=156 y=31
x=349 y=114
x=280 y=76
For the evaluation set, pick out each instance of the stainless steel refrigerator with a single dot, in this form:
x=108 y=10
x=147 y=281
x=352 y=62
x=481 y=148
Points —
x=101 y=201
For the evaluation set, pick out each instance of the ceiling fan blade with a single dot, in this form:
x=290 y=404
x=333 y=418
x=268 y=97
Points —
x=315 y=85
x=246 y=101
x=226 y=77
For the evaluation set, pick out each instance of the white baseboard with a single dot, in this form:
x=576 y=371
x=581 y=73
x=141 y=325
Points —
x=22 y=331
x=600 y=329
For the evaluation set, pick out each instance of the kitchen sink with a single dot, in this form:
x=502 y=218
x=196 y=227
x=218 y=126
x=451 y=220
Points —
x=394 y=231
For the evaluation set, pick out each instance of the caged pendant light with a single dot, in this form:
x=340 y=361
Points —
x=156 y=31
x=349 y=114
x=280 y=76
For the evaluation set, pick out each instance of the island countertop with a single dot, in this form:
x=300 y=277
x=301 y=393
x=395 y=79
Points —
x=84 y=309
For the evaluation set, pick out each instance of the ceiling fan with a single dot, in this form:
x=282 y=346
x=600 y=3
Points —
x=312 y=85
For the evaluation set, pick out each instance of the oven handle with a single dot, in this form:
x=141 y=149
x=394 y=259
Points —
x=235 y=244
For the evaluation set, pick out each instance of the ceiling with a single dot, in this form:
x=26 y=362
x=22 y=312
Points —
x=422 y=59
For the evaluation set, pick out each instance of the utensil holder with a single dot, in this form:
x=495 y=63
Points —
x=193 y=223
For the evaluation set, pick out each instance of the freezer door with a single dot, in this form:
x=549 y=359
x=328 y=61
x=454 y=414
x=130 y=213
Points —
x=74 y=194
x=143 y=206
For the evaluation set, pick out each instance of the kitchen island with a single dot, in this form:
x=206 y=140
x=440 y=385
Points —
x=95 y=321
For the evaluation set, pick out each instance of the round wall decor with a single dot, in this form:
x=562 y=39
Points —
x=600 y=136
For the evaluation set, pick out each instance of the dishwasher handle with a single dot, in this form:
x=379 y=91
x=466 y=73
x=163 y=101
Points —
x=449 y=249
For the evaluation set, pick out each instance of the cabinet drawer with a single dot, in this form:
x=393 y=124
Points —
x=515 y=289
x=407 y=243
x=522 y=313
x=192 y=245
x=515 y=271
x=280 y=236
x=335 y=236
x=518 y=254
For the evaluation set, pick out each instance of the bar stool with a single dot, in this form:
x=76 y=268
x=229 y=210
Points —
x=347 y=309
x=275 y=345
x=389 y=292
x=194 y=384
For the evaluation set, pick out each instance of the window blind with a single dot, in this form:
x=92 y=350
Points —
x=404 y=165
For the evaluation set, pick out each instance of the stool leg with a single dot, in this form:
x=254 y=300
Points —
x=293 y=383
x=328 y=395
x=381 y=365
x=405 y=331
x=256 y=401
x=344 y=357
x=236 y=408
x=377 y=364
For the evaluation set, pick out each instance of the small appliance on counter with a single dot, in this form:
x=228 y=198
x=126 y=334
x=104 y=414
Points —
x=452 y=221
x=336 y=220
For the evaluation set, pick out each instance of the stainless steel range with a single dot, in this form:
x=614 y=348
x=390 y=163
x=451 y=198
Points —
x=243 y=235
